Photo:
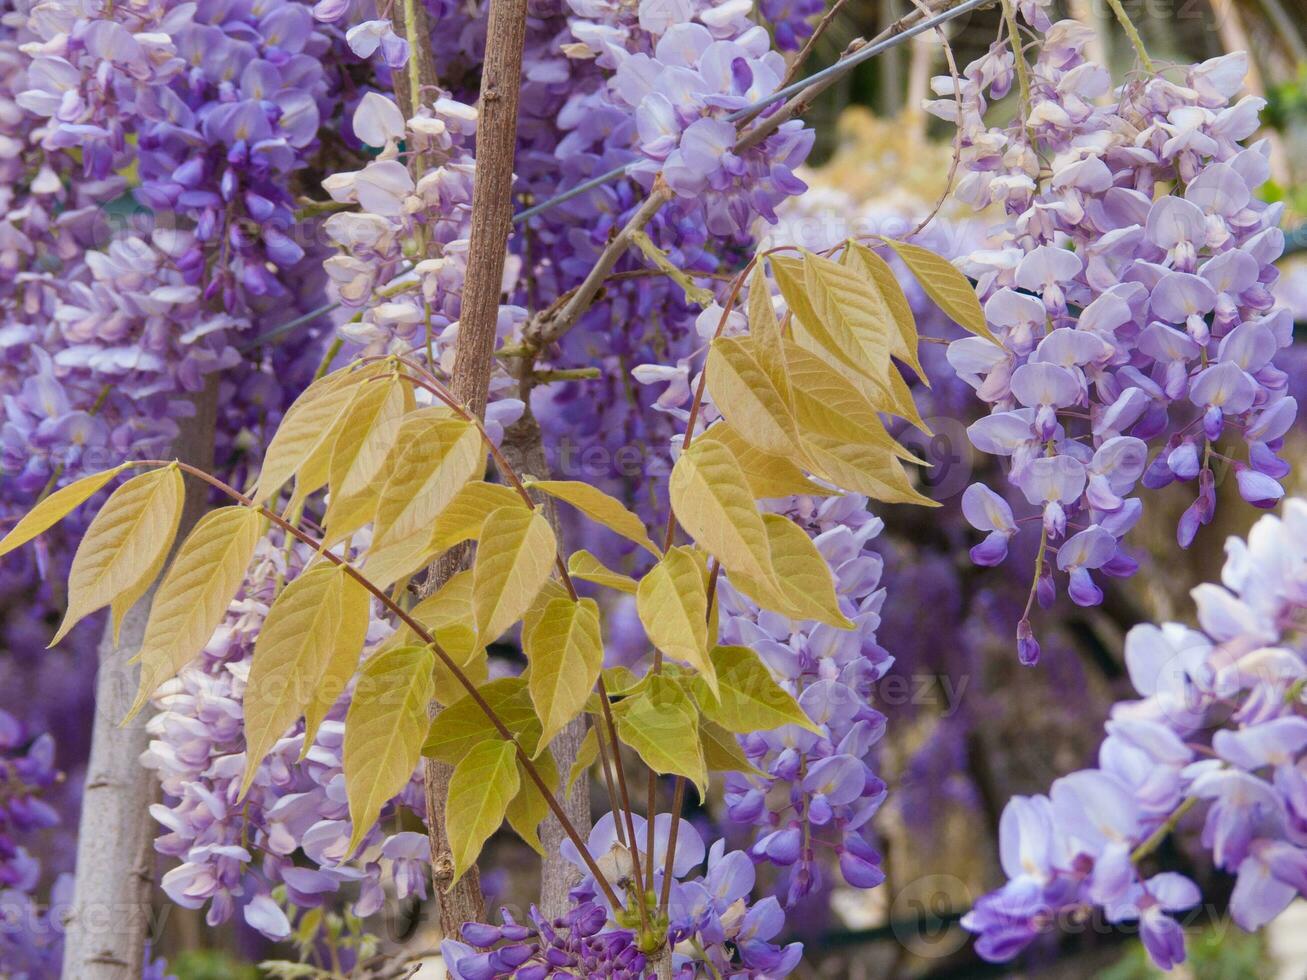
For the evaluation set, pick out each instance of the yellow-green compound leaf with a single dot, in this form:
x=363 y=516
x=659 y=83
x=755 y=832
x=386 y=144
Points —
x=482 y=786
x=462 y=725
x=463 y=519
x=365 y=435
x=566 y=651
x=585 y=757
x=514 y=558
x=672 y=602
x=750 y=700
x=829 y=404
x=127 y=538
x=304 y=632
x=712 y=501
x=194 y=595
x=747 y=393
x=661 y=724
x=54 y=508
x=809 y=584
x=896 y=303
x=600 y=508
x=766 y=475
x=863 y=469
x=722 y=752
x=308 y=427
x=944 y=284
x=436 y=457
x=342 y=658
x=384 y=729
x=529 y=807
x=588 y=568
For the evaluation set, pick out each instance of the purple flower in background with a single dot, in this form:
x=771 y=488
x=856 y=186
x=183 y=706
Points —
x=1219 y=727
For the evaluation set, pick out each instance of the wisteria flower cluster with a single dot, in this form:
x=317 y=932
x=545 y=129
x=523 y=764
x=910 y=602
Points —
x=1219 y=727
x=1126 y=319
x=114 y=316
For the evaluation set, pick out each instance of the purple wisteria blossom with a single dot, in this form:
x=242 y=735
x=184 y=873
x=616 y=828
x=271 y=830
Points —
x=1220 y=727
x=1137 y=331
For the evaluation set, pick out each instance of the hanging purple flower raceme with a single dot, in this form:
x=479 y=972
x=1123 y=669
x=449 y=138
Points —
x=1220 y=727
x=1128 y=323
x=113 y=316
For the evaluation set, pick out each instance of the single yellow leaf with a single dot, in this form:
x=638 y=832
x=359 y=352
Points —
x=834 y=338
x=600 y=508
x=451 y=603
x=837 y=293
x=565 y=649
x=588 y=568
x=480 y=790
x=748 y=395
x=463 y=724
x=467 y=512
x=750 y=700
x=475 y=666
x=133 y=529
x=342 y=657
x=828 y=403
x=437 y=456
x=54 y=508
x=290 y=654
x=194 y=595
x=722 y=752
x=863 y=469
x=367 y=431
x=809 y=584
x=672 y=603
x=529 y=807
x=514 y=558
x=384 y=730
x=897 y=307
x=768 y=476
x=662 y=724
x=943 y=283
x=586 y=756
x=308 y=425
x=712 y=501
x=551 y=590
x=764 y=328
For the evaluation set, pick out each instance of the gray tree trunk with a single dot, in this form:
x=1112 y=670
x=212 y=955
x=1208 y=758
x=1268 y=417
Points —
x=110 y=920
